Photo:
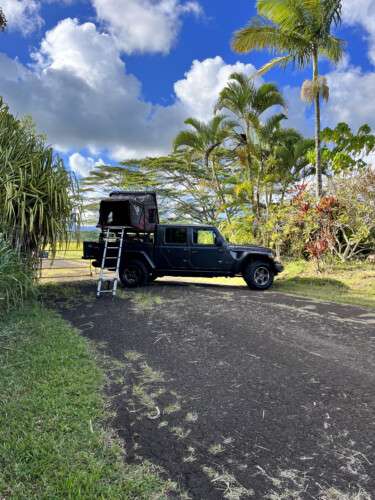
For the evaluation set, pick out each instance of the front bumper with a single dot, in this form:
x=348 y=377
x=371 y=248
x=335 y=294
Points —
x=279 y=268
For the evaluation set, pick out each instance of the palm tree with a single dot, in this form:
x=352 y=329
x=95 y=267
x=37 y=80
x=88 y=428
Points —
x=247 y=103
x=289 y=160
x=268 y=135
x=298 y=31
x=202 y=140
x=3 y=20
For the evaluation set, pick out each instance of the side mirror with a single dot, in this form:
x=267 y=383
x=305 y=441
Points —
x=219 y=243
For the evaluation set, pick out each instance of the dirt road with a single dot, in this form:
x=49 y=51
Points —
x=239 y=394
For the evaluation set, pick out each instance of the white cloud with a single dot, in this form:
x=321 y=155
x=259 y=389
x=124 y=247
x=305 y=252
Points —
x=200 y=88
x=80 y=95
x=81 y=51
x=351 y=101
x=352 y=97
x=82 y=165
x=144 y=25
x=22 y=15
x=297 y=111
x=362 y=13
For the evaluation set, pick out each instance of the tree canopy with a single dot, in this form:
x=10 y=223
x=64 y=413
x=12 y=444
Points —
x=297 y=32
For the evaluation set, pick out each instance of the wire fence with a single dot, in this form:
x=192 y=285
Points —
x=67 y=264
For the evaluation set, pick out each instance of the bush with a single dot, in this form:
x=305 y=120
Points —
x=353 y=228
x=16 y=279
x=37 y=194
x=341 y=223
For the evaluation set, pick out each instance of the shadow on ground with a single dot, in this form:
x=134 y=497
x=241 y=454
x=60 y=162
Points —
x=237 y=394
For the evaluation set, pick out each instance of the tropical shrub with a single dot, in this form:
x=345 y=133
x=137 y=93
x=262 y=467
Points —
x=37 y=194
x=16 y=278
x=353 y=229
x=345 y=151
x=341 y=223
x=288 y=225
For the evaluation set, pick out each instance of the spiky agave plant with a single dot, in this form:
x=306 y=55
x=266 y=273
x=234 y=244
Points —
x=37 y=194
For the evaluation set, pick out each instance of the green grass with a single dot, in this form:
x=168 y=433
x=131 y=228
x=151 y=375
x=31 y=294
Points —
x=16 y=279
x=53 y=443
x=346 y=283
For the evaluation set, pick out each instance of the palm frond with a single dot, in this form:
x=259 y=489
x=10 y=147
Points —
x=278 y=61
x=185 y=139
x=308 y=91
x=311 y=88
x=287 y=14
x=258 y=36
x=332 y=12
x=196 y=124
x=333 y=48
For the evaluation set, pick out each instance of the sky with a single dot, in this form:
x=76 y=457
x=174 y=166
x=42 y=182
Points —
x=109 y=80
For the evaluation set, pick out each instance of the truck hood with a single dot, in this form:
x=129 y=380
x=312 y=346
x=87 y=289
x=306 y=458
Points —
x=249 y=248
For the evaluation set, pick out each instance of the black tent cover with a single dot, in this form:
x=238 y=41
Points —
x=137 y=210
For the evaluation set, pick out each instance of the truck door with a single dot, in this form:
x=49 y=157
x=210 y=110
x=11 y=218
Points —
x=173 y=248
x=207 y=251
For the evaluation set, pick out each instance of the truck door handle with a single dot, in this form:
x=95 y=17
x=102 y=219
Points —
x=194 y=251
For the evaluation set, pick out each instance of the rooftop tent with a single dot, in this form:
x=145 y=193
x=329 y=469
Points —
x=136 y=210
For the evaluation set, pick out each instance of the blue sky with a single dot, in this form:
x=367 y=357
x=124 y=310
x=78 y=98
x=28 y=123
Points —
x=114 y=79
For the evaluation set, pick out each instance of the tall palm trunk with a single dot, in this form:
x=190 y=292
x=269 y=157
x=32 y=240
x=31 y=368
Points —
x=318 y=163
x=215 y=178
x=249 y=161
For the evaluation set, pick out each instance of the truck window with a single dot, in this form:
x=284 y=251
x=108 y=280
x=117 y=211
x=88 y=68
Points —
x=204 y=237
x=176 y=235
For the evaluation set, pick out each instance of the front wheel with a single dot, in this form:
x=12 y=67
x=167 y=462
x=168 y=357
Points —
x=258 y=275
x=133 y=274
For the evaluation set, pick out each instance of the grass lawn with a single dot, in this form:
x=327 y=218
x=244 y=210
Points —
x=53 y=443
x=349 y=283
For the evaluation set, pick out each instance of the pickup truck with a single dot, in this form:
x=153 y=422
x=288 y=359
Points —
x=187 y=250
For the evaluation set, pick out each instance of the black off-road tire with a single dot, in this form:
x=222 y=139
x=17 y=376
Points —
x=258 y=275
x=133 y=274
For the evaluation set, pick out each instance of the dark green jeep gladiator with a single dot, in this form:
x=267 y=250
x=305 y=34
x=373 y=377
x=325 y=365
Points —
x=184 y=250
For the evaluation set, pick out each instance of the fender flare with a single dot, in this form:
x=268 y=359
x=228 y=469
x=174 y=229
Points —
x=254 y=256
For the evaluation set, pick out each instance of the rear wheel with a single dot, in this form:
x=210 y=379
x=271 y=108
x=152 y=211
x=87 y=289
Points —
x=133 y=274
x=258 y=275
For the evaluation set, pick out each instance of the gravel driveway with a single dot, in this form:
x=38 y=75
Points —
x=239 y=394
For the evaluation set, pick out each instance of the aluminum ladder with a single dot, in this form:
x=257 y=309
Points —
x=104 y=276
